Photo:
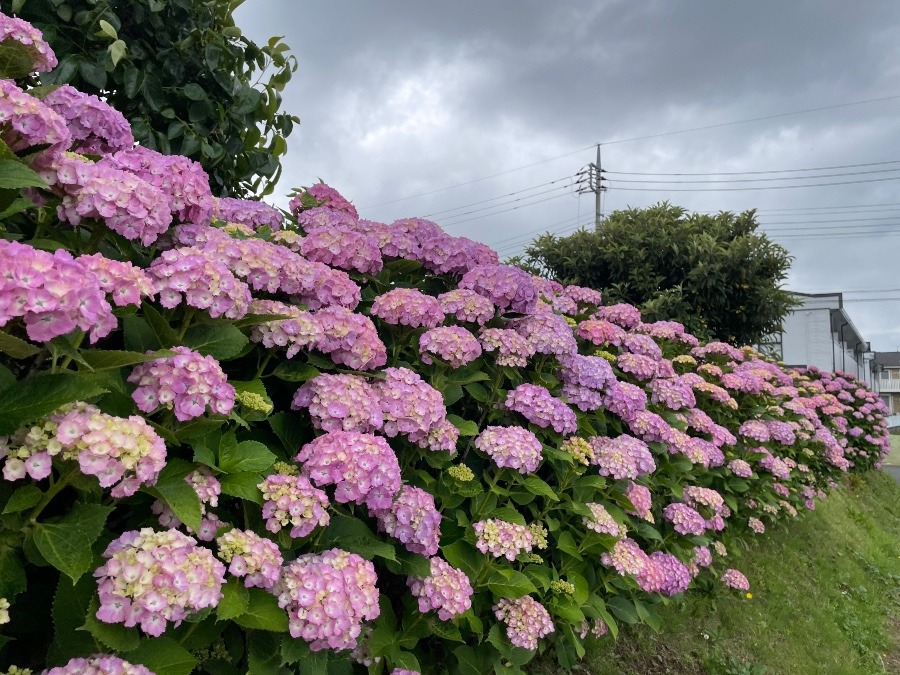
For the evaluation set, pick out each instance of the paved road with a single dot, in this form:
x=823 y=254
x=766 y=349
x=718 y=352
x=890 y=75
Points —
x=894 y=471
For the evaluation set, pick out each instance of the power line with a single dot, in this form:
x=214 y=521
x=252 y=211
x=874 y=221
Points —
x=572 y=228
x=511 y=201
x=743 y=173
x=748 y=121
x=757 y=180
x=530 y=232
x=754 y=189
x=508 y=194
x=514 y=208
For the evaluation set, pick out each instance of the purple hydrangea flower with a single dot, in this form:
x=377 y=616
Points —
x=96 y=127
x=446 y=590
x=622 y=457
x=539 y=407
x=340 y=403
x=453 y=344
x=413 y=520
x=252 y=557
x=512 y=447
x=292 y=500
x=526 y=620
x=509 y=288
x=408 y=307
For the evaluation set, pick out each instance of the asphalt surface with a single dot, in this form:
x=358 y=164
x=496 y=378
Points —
x=894 y=471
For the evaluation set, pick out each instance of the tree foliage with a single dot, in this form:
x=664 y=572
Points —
x=184 y=75
x=717 y=274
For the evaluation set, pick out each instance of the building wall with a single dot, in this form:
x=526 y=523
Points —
x=807 y=339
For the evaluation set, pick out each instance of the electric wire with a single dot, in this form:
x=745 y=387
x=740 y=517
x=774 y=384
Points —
x=750 y=173
x=503 y=196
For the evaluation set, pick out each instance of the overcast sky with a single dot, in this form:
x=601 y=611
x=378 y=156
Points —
x=402 y=102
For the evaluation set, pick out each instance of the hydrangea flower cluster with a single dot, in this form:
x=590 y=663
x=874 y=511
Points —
x=502 y=539
x=625 y=400
x=509 y=288
x=627 y=557
x=684 y=519
x=362 y=467
x=600 y=521
x=188 y=275
x=453 y=344
x=321 y=194
x=467 y=305
x=446 y=590
x=26 y=122
x=540 y=407
x=511 y=447
x=182 y=180
x=734 y=579
x=413 y=520
x=622 y=457
x=349 y=339
x=343 y=248
x=153 y=578
x=548 y=334
x=292 y=500
x=247 y=212
x=52 y=292
x=96 y=127
x=410 y=405
x=600 y=332
x=641 y=499
x=327 y=597
x=99 y=664
x=408 y=307
x=512 y=349
x=188 y=383
x=580 y=450
x=300 y=331
x=208 y=489
x=123 y=281
x=16 y=30
x=624 y=315
x=527 y=620
x=664 y=573
x=252 y=557
x=340 y=403
x=122 y=453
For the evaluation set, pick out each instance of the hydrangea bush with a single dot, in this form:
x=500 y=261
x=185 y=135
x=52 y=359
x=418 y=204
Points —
x=240 y=441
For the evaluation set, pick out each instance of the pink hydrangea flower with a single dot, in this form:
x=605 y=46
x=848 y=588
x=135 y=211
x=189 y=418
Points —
x=664 y=574
x=318 y=195
x=601 y=332
x=526 y=620
x=446 y=590
x=539 y=406
x=292 y=500
x=343 y=248
x=247 y=212
x=96 y=127
x=512 y=349
x=408 y=307
x=684 y=519
x=328 y=596
x=601 y=521
x=501 y=538
x=622 y=457
x=734 y=579
x=548 y=334
x=340 y=403
x=349 y=339
x=410 y=405
x=627 y=557
x=642 y=500
x=16 y=30
x=509 y=288
x=252 y=557
x=512 y=447
x=300 y=331
x=362 y=467
x=467 y=305
x=413 y=520
x=99 y=664
x=453 y=344
x=153 y=578
x=126 y=283
x=188 y=382
x=26 y=122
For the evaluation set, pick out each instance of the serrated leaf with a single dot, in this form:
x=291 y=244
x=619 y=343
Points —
x=15 y=175
x=163 y=656
x=245 y=456
x=466 y=427
x=354 y=535
x=566 y=544
x=177 y=494
x=290 y=430
x=26 y=401
x=15 y=347
x=139 y=336
x=506 y=583
x=70 y=606
x=23 y=499
x=472 y=661
x=536 y=486
x=235 y=600
x=464 y=556
x=263 y=613
x=12 y=573
x=444 y=630
x=290 y=371
x=110 y=359
x=243 y=485
x=623 y=609
x=221 y=341
x=112 y=635
x=66 y=544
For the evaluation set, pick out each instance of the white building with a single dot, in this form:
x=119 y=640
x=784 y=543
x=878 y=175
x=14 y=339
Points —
x=820 y=333
x=887 y=366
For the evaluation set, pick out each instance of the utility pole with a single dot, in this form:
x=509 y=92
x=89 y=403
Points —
x=594 y=172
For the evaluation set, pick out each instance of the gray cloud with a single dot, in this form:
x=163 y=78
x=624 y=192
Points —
x=401 y=98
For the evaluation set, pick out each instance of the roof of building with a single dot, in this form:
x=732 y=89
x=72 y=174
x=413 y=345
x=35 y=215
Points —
x=888 y=359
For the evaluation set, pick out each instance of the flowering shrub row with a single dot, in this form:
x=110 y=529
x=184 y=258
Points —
x=234 y=441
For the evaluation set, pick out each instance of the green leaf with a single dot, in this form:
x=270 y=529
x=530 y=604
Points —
x=463 y=555
x=25 y=402
x=15 y=347
x=194 y=92
x=354 y=535
x=110 y=359
x=507 y=583
x=235 y=600
x=107 y=29
x=243 y=485
x=14 y=175
x=93 y=73
x=623 y=609
x=16 y=61
x=221 y=341
x=536 y=486
x=515 y=655
x=245 y=456
x=177 y=494
x=112 y=635
x=163 y=656
x=263 y=654
x=165 y=335
x=263 y=613
x=290 y=430
x=473 y=661
x=66 y=544
x=478 y=392
x=566 y=544
x=444 y=630
x=466 y=427
x=292 y=371
x=139 y=337
x=23 y=499
x=12 y=573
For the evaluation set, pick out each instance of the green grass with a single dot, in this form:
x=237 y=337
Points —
x=826 y=600
x=894 y=457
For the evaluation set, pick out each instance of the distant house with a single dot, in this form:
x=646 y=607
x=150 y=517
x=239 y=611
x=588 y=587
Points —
x=887 y=365
x=820 y=333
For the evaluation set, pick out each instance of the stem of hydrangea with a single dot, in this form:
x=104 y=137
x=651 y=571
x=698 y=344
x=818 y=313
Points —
x=100 y=230
x=52 y=491
x=75 y=345
x=189 y=313
x=262 y=367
